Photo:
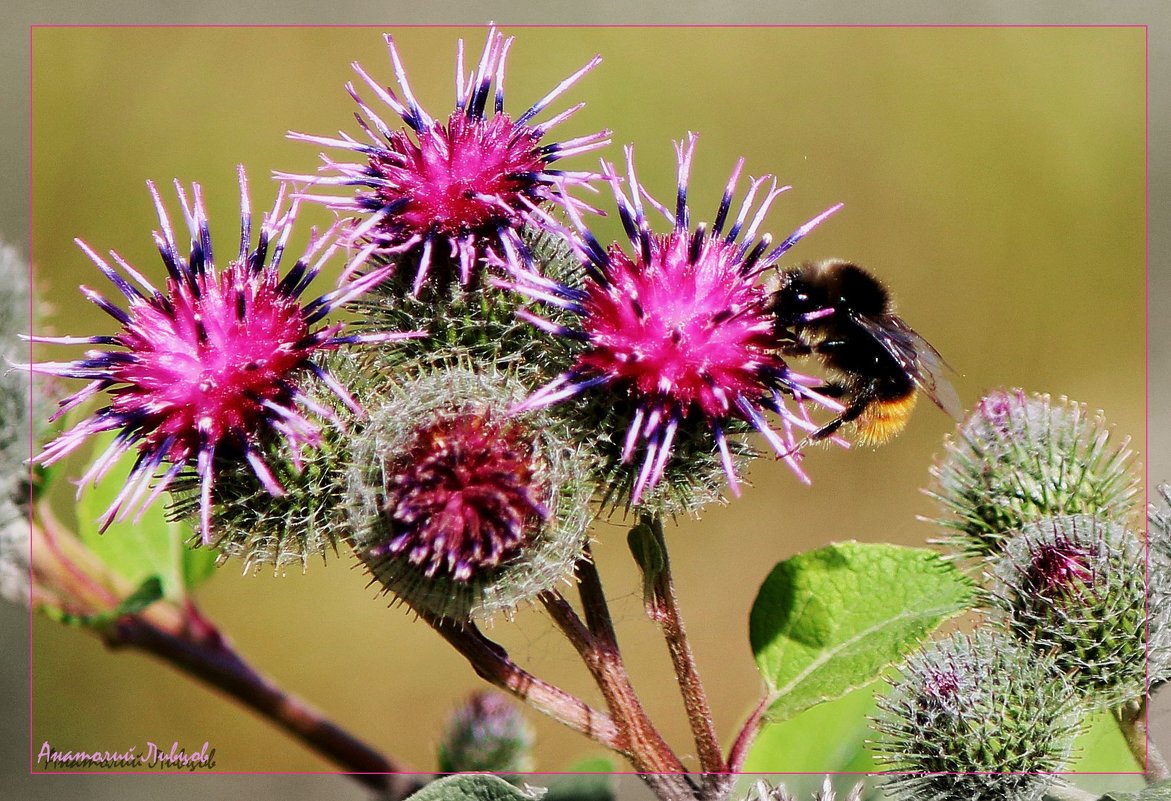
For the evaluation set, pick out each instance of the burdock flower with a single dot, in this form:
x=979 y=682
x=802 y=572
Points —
x=681 y=326
x=206 y=371
x=976 y=718
x=460 y=509
x=439 y=196
x=1075 y=587
x=1020 y=458
x=486 y=734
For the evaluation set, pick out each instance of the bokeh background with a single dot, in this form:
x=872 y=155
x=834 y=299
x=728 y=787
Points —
x=995 y=178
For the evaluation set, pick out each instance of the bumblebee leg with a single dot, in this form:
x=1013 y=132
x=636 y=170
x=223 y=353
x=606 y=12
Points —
x=865 y=397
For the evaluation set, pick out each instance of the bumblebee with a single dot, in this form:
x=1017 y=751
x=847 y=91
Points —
x=877 y=364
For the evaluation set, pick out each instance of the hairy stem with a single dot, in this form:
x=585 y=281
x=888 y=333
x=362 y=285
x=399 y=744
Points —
x=67 y=577
x=212 y=660
x=669 y=617
x=739 y=750
x=639 y=740
x=1132 y=721
x=492 y=663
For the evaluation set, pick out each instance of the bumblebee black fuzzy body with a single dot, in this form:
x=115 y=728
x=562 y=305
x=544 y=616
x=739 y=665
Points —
x=877 y=364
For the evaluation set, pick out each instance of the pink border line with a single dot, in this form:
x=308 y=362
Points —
x=1145 y=28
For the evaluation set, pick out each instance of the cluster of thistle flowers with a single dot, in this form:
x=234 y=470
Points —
x=501 y=370
x=1040 y=502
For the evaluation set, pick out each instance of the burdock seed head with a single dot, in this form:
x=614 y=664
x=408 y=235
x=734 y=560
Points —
x=1075 y=588
x=976 y=718
x=459 y=508
x=1019 y=458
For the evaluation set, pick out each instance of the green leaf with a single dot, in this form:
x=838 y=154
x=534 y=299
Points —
x=147 y=593
x=138 y=550
x=595 y=764
x=828 y=738
x=472 y=787
x=651 y=560
x=828 y=621
x=591 y=786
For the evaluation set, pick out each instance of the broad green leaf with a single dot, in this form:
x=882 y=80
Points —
x=472 y=787
x=828 y=621
x=596 y=764
x=589 y=786
x=1101 y=748
x=138 y=550
x=828 y=738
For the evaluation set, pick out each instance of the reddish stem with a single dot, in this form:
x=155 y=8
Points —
x=640 y=740
x=492 y=663
x=739 y=750
x=222 y=668
x=670 y=618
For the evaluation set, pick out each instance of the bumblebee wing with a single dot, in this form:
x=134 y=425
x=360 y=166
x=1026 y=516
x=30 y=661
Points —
x=918 y=359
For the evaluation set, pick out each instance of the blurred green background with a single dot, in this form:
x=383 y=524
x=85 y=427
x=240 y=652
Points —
x=994 y=177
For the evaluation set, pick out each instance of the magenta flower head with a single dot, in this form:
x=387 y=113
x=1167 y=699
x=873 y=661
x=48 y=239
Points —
x=459 y=509
x=680 y=326
x=212 y=367
x=437 y=196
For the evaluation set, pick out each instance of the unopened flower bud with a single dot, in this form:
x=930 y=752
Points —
x=1020 y=458
x=486 y=734
x=1075 y=588
x=976 y=718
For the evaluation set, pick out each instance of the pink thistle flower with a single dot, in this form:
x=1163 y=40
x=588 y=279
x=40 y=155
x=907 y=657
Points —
x=681 y=325
x=443 y=195
x=1058 y=568
x=212 y=366
x=463 y=497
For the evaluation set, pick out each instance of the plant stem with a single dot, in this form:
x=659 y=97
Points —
x=639 y=740
x=1132 y=721
x=739 y=750
x=668 y=616
x=68 y=577
x=213 y=661
x=593 y=601
x=492 y=663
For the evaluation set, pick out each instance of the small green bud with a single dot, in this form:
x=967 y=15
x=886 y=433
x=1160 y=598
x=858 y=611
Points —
x=976 y=718
x=486 y=734
x=1020 y=458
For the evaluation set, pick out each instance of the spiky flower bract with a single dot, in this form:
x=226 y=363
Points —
x=486 y=734
x=472 y=326
x=437 y=197
x=760 y=791
x=207 y=370
x=308 y=519
x=1075 y=587
x=1159 y=518
x=680 y=330
x=1159 y=584
x=1020 y=458
x=14 y=430
x=459 y=508
x=976 y=718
